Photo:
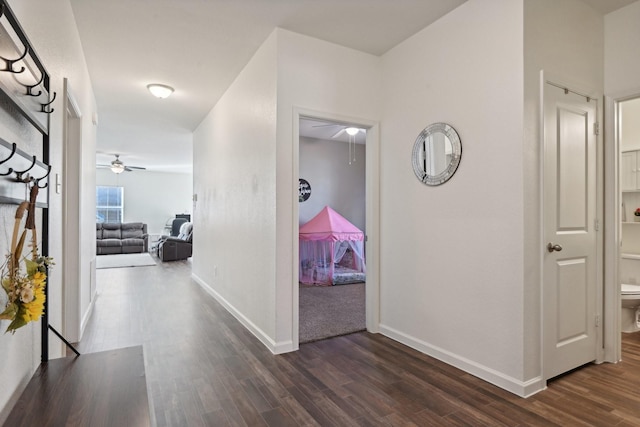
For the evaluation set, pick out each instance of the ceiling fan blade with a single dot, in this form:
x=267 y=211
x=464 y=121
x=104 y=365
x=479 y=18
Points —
x=136 y=167
x=337 y=134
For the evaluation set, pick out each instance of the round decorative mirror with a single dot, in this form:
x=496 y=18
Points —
x=436 y=154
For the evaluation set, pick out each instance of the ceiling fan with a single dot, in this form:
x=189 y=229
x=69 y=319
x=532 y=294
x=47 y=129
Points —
x=117 y=166
x=350 y=130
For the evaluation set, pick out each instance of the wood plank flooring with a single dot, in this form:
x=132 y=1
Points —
x=98 y=389
x=204 y=369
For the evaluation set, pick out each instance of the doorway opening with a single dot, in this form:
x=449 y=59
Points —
x=628 y=132
x=332 y=221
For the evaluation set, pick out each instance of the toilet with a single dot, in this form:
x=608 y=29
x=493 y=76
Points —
x=630 y=295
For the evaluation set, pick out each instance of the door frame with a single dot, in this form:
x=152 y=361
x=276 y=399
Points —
x=372 y=214
x=613 y=345
x=71 y=214
x=605 y=316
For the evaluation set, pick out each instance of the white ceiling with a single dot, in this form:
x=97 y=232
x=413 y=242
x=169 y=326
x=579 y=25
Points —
x=199 y=46
x=331 y=131
x=608 y=6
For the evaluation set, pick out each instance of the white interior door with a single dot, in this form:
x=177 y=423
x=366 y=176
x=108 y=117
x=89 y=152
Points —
x=570 y=264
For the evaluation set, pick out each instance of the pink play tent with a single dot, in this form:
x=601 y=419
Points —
x=331 y=250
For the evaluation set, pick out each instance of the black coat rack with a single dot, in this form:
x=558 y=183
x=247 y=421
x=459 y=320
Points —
x=26 y=83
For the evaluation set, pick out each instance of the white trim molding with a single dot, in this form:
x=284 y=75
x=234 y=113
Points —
x=612 y=301
x=73 y=319
x=372 y=208
x=506 y=382
x=274 y=347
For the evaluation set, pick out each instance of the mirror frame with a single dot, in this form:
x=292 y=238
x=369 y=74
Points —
x=456 y=154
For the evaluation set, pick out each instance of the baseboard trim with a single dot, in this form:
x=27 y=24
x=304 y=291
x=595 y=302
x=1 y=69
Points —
x=274 y=347
x=87 y=317
x=515 y=386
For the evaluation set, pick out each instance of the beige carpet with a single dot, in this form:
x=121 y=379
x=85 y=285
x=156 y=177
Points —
x=329 y=311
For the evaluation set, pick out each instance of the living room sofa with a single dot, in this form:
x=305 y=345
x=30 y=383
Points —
x=121 y=238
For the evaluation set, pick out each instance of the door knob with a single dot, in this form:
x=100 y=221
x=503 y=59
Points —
x=553 y=247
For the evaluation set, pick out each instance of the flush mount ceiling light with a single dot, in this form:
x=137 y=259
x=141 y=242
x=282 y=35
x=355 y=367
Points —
x=352 y=131
x=159 y=90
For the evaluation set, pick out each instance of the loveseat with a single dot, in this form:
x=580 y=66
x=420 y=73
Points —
x=121 y=238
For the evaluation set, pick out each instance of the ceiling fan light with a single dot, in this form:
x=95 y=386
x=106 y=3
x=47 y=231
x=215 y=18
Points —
x=352 y=131
x=117 y=167
x=160 y=90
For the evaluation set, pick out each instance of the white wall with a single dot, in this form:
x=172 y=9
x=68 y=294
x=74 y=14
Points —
x=318 y=76
x=21 y=352
x=472 y=69
x=151 y=197
x=234 y=170
x=630 y=124
x=51 y=28
x=452 y=257
x=622 y=38
x=334 y=182
x=244 y=177
x=565 y=39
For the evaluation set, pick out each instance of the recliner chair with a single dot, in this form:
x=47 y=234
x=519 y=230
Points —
x=176 y=224
x=177 y=248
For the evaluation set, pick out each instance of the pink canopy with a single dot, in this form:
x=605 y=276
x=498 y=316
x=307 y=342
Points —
x=331 y=250
x=329 y=225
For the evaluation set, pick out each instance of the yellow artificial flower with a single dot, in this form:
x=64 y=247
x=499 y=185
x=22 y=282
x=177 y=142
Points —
x=23 y=284
x=38 y=278
x=33 y=310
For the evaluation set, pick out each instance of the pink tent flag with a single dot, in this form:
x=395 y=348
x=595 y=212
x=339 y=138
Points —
x=330 y=225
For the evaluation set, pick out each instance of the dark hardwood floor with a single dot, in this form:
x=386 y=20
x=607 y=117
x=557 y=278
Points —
x=97 y=389
x=204 y=369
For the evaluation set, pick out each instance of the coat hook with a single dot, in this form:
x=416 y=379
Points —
x=30 y=88
x=10 y=62
x=13 y=151
x=44 y=106
x=43 y=177
x=19 y=173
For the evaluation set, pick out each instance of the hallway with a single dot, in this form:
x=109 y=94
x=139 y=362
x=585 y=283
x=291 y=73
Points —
x=205 y=369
